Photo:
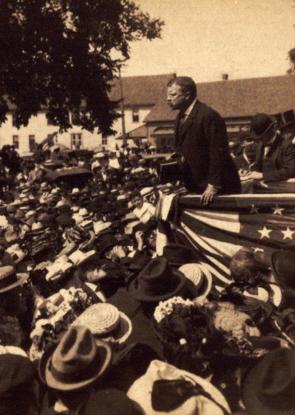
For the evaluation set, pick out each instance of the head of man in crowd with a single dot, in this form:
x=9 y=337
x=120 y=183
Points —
x=264 y=128
x=181 y=92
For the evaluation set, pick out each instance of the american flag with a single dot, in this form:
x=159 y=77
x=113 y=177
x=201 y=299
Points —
x=265 y=222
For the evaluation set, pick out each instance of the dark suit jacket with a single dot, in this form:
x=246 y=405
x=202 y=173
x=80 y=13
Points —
x=279 y=164
x=203 y=143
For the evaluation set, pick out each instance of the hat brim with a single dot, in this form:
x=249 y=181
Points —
x=141 y=390
x=136 y=293
x=20 y=280
x=180 y=263
x=277 y=295
x=104 y=353
x=205 y=285
x=122 y=333
x=256 y=136
x=252 y=402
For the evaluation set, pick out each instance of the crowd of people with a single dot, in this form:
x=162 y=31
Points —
x=95 y=320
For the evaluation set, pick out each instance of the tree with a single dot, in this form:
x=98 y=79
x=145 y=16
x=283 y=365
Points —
x=59 y=55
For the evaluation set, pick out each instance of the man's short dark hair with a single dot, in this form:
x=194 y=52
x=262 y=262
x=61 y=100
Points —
x=186 y=83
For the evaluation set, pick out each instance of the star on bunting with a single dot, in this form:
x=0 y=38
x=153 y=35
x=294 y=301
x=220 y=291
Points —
x=277 y=210
x=264 y=232
x=288 y=234
x=258 y=250
x=254 y=209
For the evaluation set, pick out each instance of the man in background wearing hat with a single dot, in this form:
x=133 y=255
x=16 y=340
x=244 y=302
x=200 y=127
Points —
x=202 y=141
x=275 y=154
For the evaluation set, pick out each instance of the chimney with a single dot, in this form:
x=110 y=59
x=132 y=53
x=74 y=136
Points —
x=224 y=76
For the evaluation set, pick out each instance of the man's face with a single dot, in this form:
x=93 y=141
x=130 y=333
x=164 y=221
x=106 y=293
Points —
x=177 y=98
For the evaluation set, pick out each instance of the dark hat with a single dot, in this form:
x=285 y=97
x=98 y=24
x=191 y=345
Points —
x=47 y=219
x=65 y=220
x=178 y=254
x=9 y=279
x=260 y=124
x=110 y=402
x=139 y=261
x=104 y=242
x=157 y=281
x=269 y=386
x=15 y=371
x=283 y=267
x=77 y=361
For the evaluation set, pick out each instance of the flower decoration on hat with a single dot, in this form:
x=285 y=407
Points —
x=55 y=315
x=187 y=333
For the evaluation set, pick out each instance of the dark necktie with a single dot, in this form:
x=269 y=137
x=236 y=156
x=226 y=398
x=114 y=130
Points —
x=181 y=121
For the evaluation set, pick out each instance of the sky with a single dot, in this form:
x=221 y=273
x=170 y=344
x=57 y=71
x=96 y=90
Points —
x=206 y=38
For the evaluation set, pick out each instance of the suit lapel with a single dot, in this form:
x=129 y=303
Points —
x=188 y=122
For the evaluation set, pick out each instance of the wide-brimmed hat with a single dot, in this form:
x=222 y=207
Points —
x=178 y=254
x=199 y=274
x=78 y=360
x=269 y=386
x=104 y=242
x=16 y=371
x=283 y=267
x=167 y=389
x=157 y=281
x=9 y=279
x=260 y=124
x=138 y=261
x=106 y=322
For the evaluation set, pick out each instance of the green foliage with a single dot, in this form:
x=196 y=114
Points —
x=58 y=55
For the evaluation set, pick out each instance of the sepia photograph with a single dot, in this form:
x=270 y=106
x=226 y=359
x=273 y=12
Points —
x=147 y=207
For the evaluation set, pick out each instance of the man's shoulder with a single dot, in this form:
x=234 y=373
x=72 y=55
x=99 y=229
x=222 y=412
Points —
x=206 y=110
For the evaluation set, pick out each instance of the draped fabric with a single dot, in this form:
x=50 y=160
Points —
x=264 y=222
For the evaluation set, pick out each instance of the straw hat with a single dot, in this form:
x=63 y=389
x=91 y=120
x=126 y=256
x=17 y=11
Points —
x=106 y=322
x=200 y=276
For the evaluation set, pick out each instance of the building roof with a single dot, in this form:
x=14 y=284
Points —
x=139 y=132
x=141 y=90
x=163 y=131
x=238 y=98
x=161 y=112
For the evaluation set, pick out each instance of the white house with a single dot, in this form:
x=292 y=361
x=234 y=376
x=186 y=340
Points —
x=140 y=93
x=38 y=129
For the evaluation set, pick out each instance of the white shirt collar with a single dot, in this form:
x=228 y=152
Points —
x=189 y=109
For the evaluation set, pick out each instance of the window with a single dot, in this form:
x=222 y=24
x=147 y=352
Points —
x=15 y=141
x=32 y=142
x=135 y=115
x=104 y=141
x=13 y=120
x=76 y=141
